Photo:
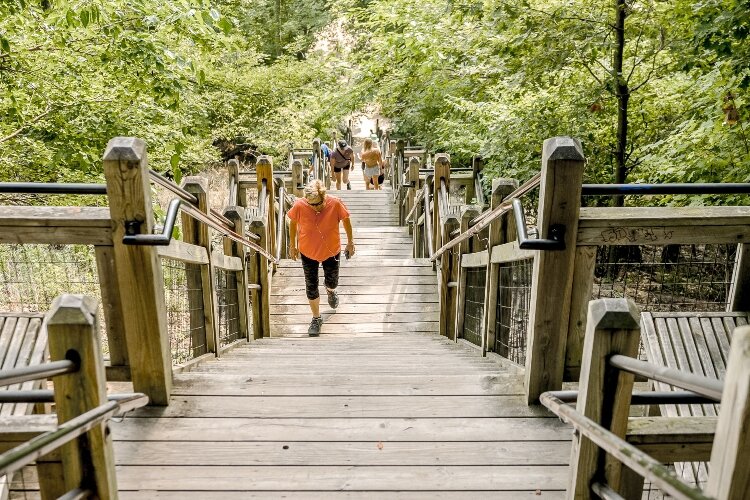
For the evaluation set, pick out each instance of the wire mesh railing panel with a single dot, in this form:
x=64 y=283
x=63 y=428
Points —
x=513 y=307
x=31 y=276
x=679 y=278
x=227 y=297
x=473 y=324
x=183 y=297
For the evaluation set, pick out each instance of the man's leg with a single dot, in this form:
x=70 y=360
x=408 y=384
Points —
x=346 y=178
x=337 y=175
x=312 y=282
x=375 y=182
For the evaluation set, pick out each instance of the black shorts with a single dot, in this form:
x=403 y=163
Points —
x=330 y=271
x=339 y=169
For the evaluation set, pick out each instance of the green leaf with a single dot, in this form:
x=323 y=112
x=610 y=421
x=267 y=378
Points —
x=84 y=18
x=207 y=18
x=174 y=161
x=4 y=44
x=70 y=18
x=225 y=25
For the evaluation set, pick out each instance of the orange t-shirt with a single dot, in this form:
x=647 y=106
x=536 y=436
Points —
x=318 y=232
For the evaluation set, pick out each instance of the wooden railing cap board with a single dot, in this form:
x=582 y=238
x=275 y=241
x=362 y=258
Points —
x=562 y=148
x=129 y=149
x=663 y=216
x=55 y=216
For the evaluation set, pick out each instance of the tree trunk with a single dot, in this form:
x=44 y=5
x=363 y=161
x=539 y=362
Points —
x=623 y=96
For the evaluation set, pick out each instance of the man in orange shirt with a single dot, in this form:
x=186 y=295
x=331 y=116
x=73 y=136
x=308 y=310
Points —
x=314 y=236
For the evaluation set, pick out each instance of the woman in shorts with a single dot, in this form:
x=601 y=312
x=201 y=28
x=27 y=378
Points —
x=373 y=162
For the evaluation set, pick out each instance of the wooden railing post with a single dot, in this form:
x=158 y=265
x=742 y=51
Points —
x=552 y=276
x=580 y=294
x=233 y=170
x=414 y=166
x=139 y=271
x=264 y=169
x=448 y=281
x=88 y=461
x=604 y=392
x=261 y=294
x=728 y=478
x=739 y=294
x=468 y=212
x=197 y=233
x=398 y=173
x=237 y=215
x=297 y=179
x=109 y=286
x=501 y=231
x=442 y=172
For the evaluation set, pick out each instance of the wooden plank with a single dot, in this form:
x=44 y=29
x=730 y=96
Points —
x=324 y=478
x=114 y=315
x=345 y=290
x=271 y=453
x=220 y=384
x=717 y=359
x=398 y=307
x=183 y=252
x=509 y=252
x=344 y=318
x=661 y=234
x=226 y=262
x=662 y=329
x=336 y=428
x=583 y=281
x=606 y=217
x=24 y=358
x=343 y=407
x=543 y=493
x=288 y=263
x=417 y=326
x=300 y=298
x=477 y=259
x=374 y=279
x=673 y=439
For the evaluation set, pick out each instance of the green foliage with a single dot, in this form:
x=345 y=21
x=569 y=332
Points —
x=178 y=74
x=496 y=78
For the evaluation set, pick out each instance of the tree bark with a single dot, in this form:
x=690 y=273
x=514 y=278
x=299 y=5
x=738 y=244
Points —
x=623 y=97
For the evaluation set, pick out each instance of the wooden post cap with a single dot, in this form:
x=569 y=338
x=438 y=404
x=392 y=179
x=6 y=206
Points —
x=413 y=160
x=442 y=159
x=316 y=143
x=195 y=184
x=400 y=145
x=297 y=162
x=233 y=213
x=72 y=309
x=562 y=148
x=501 y=185
x=233 y=166
x=264 y=160
x=614 y=314
x=129 y=149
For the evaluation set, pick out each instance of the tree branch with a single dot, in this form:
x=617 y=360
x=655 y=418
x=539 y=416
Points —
x=27 y=124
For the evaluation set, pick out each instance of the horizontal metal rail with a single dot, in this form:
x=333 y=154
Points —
x=648 y=397
x=483 y=220
x=77 y=494
x=222 y=219
x=37 y=372
x=705 y=386
x=605 y=492
x=25 y=453
x=556 y=240
x=417 y=201
x=52 y=188
x=641 y=463
x=657 y=189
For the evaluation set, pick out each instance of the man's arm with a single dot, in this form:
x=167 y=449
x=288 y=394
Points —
x=293 y=250
x=349 y=235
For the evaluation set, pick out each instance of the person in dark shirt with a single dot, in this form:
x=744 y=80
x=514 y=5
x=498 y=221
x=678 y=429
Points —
x=342 y=160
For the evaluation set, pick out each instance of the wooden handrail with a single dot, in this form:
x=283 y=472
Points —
x=487 y=217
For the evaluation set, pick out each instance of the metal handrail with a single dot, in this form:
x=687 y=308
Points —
x=41 y=396
x=673 y=188
x=25 y=453
x=428 y=229
x=483 y=220
x=280 y=220
x=52 y=188
x=37 y=372
x=165 y=237
x=705 y=386
x=417 y=201
x=262 y=199
x=556 y=240
x=632 y=457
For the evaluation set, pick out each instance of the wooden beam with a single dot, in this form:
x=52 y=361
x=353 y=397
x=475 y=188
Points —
x=114 y=315
x=509 y=252
x=237 y=215
x=139 y=271
x=739 y=293
x=183 y=252
x=204 y=310
x=552 y=276
x=56 y=225
x=476 y=259
x=264 y=168
x=89 y=460
x=673 y=439
x=583 y=282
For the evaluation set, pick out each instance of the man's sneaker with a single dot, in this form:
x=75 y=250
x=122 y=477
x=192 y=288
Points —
x=315 y=325
x=333 y=298
x=349 y=186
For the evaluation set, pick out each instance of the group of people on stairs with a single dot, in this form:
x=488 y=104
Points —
x=341 y=161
